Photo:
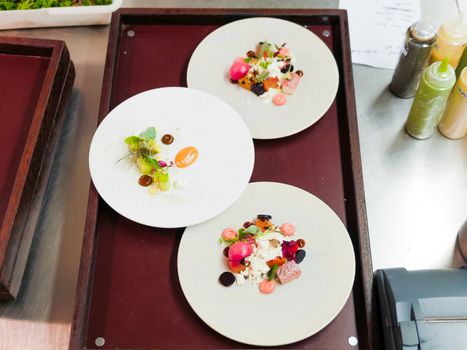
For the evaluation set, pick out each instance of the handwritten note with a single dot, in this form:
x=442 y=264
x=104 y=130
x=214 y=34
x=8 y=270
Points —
x=377 y=29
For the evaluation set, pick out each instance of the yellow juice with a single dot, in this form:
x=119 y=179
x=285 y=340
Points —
x=454 y=121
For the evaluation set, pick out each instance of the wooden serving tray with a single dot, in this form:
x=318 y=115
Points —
x=128 y=294
x=36 y=78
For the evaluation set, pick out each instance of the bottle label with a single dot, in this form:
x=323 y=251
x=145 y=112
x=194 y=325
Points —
x=404 y=50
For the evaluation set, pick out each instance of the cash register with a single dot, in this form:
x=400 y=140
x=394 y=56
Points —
x=424 y=309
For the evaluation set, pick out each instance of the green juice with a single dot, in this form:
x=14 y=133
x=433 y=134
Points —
x=430 y=100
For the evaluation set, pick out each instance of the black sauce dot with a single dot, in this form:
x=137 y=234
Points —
x=227 y=279
x=299 y=256
x=264 y=217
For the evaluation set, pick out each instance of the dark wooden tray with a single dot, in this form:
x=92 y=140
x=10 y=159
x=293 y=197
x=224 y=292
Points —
x=128 y=292
x=36 y=81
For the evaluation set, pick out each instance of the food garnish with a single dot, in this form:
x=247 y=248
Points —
x=145 y=153
x=268 y=72
x=262 y=253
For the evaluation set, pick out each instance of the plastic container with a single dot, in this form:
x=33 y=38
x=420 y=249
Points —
x=430 y=100
x=454 y=122
x=450 y=41
x=58 y=16
x=414 y=58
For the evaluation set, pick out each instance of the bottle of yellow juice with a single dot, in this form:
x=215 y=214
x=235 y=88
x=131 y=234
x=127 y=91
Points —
x=454 y=121
x=450 y=41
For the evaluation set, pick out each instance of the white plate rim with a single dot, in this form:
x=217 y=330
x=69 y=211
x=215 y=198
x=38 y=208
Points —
x=256 y=134
x=181 y=222
x=290 y=341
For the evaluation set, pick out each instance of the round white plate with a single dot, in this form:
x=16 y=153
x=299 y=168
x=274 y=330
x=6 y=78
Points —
x=209 y=67
x=294 y=311
x=194 y=118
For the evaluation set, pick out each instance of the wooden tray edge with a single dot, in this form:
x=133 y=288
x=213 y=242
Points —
x=84 y=287
x=28 y=190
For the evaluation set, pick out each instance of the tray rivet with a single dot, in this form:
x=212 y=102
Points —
x=353 y=341
x=326 y=33
x=101 y=341
x=131 y=33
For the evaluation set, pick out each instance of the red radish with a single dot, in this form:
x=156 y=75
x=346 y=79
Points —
x=267 y=287
x=238 y=70
x=239 y=250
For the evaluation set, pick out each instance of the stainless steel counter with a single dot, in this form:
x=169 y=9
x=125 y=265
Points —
x=416 y=191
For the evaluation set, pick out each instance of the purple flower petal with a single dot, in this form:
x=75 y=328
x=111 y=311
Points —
x=162 y=163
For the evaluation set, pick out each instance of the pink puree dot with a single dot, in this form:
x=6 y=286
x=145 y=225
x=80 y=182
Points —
x=267 y=287
x=279 y=99
x=229 y=233
x=287 y=229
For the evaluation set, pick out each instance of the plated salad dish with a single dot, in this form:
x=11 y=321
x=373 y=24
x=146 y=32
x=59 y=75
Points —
x=262 y=253
x=145 y=153
x=268 y=71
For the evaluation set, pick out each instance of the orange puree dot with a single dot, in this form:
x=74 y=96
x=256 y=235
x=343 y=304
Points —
x=279 y=99
x=186 y=156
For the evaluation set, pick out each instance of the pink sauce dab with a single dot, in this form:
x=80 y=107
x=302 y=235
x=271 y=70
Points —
x=267 y=287
x=287 y=229
x=229 y=233
x=279 y=99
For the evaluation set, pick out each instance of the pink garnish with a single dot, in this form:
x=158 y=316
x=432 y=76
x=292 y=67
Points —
x=229 y=233
x=284 y=51
x=267 y=287
x=162 y=163
x=289 y=249
x=239 y=250
x=289 y=86
x=238 y=70
x=287 y=229
x=279 y=99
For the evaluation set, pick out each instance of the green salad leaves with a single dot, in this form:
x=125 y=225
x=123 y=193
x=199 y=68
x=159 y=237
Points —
x=37 y=4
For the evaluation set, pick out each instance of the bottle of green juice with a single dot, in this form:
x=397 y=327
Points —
x=430 y=100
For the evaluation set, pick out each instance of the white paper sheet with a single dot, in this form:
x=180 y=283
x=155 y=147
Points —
x=377 y=29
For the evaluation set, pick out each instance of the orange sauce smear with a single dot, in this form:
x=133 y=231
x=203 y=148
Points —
x=186 y=156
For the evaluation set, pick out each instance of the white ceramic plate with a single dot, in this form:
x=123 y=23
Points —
x=209 y=66
x=194 y=118
x=294 y=311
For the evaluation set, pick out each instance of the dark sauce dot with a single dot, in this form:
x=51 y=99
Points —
x=299 y=256
x=299 y=73
x=226 y=252
x=145 y=180
x=227 y=279
x=167 y=139
x=233 y=81
x=264 y=217
x=251 y=54
x=300 y=243
x=247 y=224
